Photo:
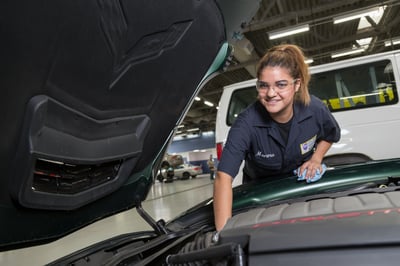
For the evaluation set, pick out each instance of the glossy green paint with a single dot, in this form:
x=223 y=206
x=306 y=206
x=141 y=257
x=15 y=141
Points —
x=266 y=192
x=219 y=61
x=334 y=180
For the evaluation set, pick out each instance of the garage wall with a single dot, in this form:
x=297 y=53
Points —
x=195 y=150
x=205 y=140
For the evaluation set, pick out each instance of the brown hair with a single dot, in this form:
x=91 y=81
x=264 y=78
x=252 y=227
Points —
x=291 y=57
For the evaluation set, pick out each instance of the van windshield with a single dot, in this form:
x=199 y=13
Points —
x=239 y=101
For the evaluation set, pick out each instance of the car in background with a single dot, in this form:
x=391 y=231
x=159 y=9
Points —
x=185 y=171
x=165 y=173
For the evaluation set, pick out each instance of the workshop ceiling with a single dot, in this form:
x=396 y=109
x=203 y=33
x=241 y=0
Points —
x=251 y=41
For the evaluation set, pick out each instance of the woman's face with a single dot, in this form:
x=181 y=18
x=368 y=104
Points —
x=276 y=90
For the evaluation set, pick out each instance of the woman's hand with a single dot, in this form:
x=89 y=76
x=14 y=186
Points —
x=315 y=163
x=311 y=167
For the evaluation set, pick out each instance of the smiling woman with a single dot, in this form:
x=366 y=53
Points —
x=362 y=95
x=293 y=128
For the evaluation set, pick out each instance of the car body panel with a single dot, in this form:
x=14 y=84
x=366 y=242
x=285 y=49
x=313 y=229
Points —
x=312 y=231
x=84 y=84
x=356 y=177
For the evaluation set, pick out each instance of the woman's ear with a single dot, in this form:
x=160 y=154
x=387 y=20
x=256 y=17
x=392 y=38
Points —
x=297 y=85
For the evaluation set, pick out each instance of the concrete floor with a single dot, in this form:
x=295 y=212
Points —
x=165 y=200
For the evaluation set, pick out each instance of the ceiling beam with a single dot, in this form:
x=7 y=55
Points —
x=285 y=17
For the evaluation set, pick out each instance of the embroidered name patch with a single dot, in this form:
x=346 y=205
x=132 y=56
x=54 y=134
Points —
x=308 y=145
x=266 y=156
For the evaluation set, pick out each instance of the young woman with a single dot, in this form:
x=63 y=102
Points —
x=285 y=129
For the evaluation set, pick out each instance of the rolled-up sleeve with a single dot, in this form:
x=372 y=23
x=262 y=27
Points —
x=236 y=146
x=330 y=127
x=332 y=131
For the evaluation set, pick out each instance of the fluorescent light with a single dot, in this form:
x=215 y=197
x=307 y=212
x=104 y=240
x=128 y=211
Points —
x=179 y=137
x=393 y=41
x=288 y=31
x=192 y=129
x=208 y=133
x=208 y=103
x=375 y=17
x=309 y=61
x=347 y=52
x=355 y=15
x=364 y=41
x=197 y=98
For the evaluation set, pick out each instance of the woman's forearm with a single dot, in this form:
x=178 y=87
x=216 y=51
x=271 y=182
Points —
x=322 y=148
x=222 y=199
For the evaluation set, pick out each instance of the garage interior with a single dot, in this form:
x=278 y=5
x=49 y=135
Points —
x=374 y=32
x=372 y=28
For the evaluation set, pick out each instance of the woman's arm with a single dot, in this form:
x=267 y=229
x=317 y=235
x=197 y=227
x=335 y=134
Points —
x=222 y=199
x=322 y=148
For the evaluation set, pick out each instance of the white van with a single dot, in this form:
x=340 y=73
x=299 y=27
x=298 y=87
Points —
x=362 y=94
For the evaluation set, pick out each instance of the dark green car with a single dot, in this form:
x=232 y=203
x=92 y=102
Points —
x=86 y=118
x=349 y=217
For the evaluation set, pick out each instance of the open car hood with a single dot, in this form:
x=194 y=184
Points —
x=87 y=88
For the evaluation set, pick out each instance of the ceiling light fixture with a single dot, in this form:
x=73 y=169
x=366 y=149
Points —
x=364 y=41
x=394 y=41
x=288 y=31
x=197 y=98
x=193 y=129
x=308 y=61
x=347 y=52
x=356 y=15
x=208 y=103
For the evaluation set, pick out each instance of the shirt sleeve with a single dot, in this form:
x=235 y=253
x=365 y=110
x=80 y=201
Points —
x=236 y=146
x=330 y=127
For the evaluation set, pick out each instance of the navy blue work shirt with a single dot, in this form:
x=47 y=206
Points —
x=255 y=138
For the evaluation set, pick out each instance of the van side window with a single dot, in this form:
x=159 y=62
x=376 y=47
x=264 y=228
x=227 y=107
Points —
x=360 y=86
x=239 y=101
